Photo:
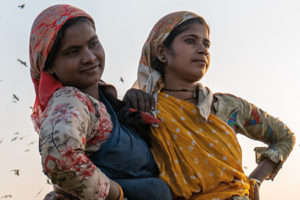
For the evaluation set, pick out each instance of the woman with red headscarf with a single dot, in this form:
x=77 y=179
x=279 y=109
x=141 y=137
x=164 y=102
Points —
x=92 y=147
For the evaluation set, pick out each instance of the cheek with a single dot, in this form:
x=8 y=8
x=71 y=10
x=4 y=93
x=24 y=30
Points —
x=100 y=52
x=208 y=58
x=68 y=66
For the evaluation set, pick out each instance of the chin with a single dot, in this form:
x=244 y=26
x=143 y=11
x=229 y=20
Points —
x=199 y=76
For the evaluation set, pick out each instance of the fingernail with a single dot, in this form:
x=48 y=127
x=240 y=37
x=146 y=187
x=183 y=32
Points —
x=152 y=108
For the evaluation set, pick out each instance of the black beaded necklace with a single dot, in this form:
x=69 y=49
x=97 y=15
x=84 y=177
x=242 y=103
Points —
x=195 y=92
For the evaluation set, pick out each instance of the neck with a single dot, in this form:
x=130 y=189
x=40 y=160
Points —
x=187 y=92
x=92 y=91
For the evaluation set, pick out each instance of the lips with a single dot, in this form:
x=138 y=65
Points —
x=90 y=68
x=202 y=61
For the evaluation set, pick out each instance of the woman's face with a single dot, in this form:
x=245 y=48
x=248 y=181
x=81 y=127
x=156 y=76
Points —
x=80 y=59
x=188 y=58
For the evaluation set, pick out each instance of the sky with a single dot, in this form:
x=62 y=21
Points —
x=255 y=47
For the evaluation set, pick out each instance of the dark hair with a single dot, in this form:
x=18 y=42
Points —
x=57 y=42
x=155 y=62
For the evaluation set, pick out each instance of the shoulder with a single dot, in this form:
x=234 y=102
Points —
x=71 y=94
x=227 y=104
x=68 y=100
x=74 y=97
x=226 y=96
x=230 y=100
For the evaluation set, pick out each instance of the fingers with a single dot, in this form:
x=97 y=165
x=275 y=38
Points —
x=139 y=100
x=142 y=100
x=131 y=98
x=152 y=103
x=149 y=103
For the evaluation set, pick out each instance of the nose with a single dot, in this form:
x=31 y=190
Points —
x=202 y=49
x=88 y=56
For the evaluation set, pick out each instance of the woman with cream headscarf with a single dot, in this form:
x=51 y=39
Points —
x=195 y=145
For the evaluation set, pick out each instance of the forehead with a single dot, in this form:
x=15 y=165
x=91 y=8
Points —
x=81 y=31
x=196 y=29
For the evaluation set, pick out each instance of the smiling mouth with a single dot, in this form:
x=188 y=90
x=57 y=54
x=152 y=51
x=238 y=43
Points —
x=90 y=68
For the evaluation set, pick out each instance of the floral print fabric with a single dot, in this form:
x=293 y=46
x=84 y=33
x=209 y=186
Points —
x=251 y=121
x=73 y=126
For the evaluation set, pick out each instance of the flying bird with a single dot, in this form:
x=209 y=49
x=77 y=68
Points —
x=15 y=98
x=16 y=171
x=21 y=6
x=121 y=79
x=22 y=62
x=15 y=138
x=6 y=196
x=31 y=143
x=21 y=138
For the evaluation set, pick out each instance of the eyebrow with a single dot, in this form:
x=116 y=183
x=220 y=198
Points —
x=93 y=38
x=196 y=36
x=78 y=46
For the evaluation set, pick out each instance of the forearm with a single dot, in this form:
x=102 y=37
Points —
x=115 y=193
x=75 y=174
x=263 y=170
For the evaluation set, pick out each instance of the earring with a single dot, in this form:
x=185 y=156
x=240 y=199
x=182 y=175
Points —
x=162 y=59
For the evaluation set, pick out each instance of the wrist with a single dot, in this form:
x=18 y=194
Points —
x=257 y=181
x=121 y=194
x=115 y=191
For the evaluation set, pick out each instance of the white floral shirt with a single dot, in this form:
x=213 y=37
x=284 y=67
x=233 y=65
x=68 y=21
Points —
x=73 y=126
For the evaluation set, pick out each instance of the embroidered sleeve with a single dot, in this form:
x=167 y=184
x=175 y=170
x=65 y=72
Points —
x=247 y=119
x=67 y=126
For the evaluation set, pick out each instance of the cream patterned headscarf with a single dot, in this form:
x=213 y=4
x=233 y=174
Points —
x=149 y=79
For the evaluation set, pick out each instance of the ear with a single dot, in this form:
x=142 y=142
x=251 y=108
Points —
x=161 y=53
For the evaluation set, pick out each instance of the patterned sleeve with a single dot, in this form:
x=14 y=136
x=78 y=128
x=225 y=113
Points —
x=247 y=119
x=66 y=128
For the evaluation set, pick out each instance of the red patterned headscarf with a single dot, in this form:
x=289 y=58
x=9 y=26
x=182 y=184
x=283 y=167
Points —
x=43 y=33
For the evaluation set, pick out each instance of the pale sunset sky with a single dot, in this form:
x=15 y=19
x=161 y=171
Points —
x=255 y=46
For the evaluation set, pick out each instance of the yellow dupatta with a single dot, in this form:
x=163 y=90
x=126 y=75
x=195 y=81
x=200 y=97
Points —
x=198 y=159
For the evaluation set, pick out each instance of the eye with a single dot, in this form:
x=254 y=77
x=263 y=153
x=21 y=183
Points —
x=93 y=43
x=190 y=41
x=206 y=44
x=72 y=52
